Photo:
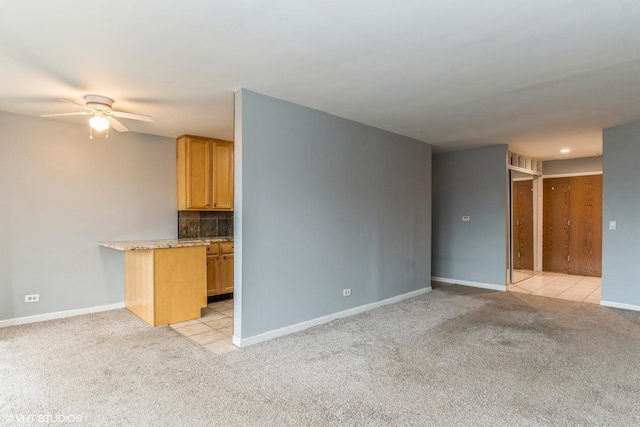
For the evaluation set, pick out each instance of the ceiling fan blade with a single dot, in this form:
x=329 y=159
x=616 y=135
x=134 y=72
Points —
x=66 y=114
x=72 y=102
x=117 y=125
x=122 y=115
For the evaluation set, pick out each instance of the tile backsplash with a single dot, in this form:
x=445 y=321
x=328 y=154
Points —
x=204 y=224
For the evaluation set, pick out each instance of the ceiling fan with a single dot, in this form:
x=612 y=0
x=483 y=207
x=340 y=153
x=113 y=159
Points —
x=102 y=115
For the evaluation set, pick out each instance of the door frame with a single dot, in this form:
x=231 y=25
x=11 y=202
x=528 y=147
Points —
x=537 y=184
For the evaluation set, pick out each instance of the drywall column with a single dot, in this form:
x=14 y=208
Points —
x=470 y=183
x=325 y=204
x=621 y=203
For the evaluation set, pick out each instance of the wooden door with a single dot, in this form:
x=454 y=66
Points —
x=223 y=175
x=555 y=225
x=198 y=173
x=586 y=225
x=523 y=225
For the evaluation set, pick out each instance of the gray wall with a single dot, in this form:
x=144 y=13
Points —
x=326 y=204
x=471 y=182
x=621 y=202
x=61 y=194
x=584 y=164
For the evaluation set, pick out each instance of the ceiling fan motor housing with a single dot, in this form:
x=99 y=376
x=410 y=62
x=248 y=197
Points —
x=98 y=103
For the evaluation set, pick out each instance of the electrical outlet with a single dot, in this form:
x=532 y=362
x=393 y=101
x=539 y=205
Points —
x=32 y=298
x=466 y=218
x=346 y=292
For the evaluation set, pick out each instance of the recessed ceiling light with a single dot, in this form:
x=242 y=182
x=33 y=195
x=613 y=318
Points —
x=565 y=150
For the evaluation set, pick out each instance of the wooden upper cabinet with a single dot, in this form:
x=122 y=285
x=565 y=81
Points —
x=223 y=175
x=199 y=175
x=204 y=172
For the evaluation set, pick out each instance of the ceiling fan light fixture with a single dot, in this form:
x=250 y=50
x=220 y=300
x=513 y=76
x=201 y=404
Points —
x=99 y=123
x=102 y=116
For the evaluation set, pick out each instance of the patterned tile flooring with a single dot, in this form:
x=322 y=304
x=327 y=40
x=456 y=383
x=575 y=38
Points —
x=562 y=286
x=213 y=330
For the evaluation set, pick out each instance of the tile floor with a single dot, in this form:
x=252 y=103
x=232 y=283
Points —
x=213 y=330
x=562 y=286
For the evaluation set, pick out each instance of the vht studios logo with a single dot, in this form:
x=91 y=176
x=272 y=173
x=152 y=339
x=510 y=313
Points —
x=45 y=418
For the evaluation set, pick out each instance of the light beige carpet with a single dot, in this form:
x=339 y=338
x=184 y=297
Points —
x=455 y=356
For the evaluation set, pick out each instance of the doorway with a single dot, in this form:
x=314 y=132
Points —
x=567 y=241
x=555 y=225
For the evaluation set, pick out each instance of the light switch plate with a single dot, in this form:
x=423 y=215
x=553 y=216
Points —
x=613 y=225
x=466 y=218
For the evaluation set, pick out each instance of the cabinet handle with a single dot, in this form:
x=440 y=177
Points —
x=224 y=257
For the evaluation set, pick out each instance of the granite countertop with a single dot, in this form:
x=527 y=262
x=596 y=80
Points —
x=138 y=245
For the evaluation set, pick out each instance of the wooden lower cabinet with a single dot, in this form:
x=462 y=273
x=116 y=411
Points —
x=212 y=273
x=220 y=268
x=164 y=286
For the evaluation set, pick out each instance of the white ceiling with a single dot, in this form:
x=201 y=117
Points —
x=538 y=75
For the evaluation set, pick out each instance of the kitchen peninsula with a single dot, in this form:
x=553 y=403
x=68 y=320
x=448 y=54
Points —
x=166 y=279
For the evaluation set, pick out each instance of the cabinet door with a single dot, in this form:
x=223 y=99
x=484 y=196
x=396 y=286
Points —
x=198 y=174
x=212 y=276
x=226 y=272
x=223 y=175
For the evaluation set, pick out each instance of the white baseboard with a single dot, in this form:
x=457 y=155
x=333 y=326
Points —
x=266 y=336
x=59 y=315
x=467 y=283
x=620 y=305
